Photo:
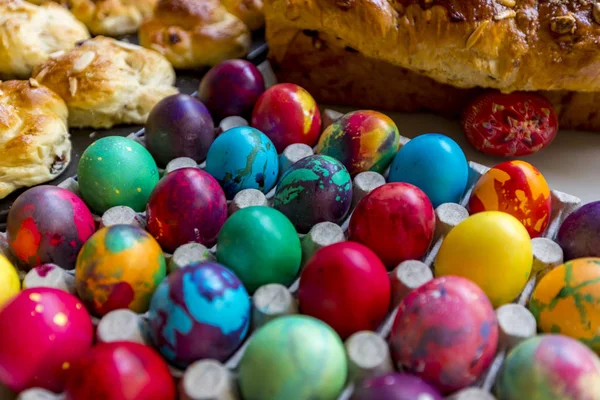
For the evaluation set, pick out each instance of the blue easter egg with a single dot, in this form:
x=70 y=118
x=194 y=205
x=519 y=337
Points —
x=199 y=311
x=435 y=164
x=243 y=158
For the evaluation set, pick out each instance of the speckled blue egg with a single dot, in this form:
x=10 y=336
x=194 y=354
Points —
x=243 y=158
x=200 y=311
x=435 y=164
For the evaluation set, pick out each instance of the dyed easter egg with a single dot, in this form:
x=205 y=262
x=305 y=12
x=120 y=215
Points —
x=119 y=267
x=47 y=224
x=435 y=164
x=116 y=171
x=395 y=386
x=10 y=284
x=261 y=246
x=314 y=189
x=200 y=311
x=396 y=221
x=346 y=286
x=287 y=114
x=567 y=301
x=516 y=188
x=303 y=358
x=231 y=88
x=446 y=332
x=579 y=234
x=243 y=158
x=120 y=371
x=44 y=331
x=362 y=141
x=549 y=367
x=179 y=126
x=187 y=205
x=477 y=250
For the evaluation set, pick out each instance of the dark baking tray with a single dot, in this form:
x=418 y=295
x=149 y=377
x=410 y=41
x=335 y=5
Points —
x=187 y=82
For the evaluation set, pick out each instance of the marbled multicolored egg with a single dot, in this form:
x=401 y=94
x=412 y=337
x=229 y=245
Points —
x=549 y=367
x=396 y=221
x=362 y=141
x=44 y=331
x=516 y=188
x=567 y=301
x=314 y=189
x=10 y=284
x=395 y=386
x=579 y=234
x=119 y=267
x=200 y=311
x=47 y=224
x=187 y=205
x=116 y=171
x=243 y=158
x=477 y=249
x=303 y=358
x=446 y=332
x=287 y=114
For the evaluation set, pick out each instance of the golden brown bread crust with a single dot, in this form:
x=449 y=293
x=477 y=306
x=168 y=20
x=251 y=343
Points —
x=249 y=11
x=195 y=33
x=34 y=139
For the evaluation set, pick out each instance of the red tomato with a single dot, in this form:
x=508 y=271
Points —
x=507 y=125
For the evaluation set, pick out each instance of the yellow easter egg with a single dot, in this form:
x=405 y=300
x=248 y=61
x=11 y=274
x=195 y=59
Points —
x=9 y=281
x=492 y=249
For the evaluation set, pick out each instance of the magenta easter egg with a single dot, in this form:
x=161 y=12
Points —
x=44 y=331
x=446 y=332
x=395 y=386
x=47 y=224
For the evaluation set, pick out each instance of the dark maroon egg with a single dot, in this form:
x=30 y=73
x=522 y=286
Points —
x=179 y=126
x=395 y=386
x=187 y=205
x=47 y=224
x=579 y=234
x=231 y=88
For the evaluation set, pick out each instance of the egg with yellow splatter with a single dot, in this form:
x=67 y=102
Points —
x=517 y=188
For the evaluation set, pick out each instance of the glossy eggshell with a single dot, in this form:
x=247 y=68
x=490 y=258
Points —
x=579 y=234
x=362 y=141
x=395 y=386
x=516 y=188
x=567 y=301
x=44 y=331
x=47 y=224
x=119 y=267
x=10 y=284
x=549 y=367
x=435 y=164
x=120 y=371
x=116 y=171
x=243 y=158
x=303 y=358
x=477 y=250
x=187 y=205
x=396 y=221
x=314 y=189
x=179 y=126
x=231 y=88
x=346 y=286
x=446 y=332
x=287 y=114
x=260 y=245
x=200 y=311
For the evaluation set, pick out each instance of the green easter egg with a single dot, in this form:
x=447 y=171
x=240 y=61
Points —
x=116 y=171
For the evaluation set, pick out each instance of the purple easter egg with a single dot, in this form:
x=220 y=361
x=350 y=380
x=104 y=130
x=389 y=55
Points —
x=579 y=234
x=395 y=386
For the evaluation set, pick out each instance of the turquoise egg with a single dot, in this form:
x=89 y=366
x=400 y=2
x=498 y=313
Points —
x=435 y=164
x=243 y=158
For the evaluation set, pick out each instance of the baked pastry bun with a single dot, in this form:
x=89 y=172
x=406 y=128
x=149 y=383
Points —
x=30 y=33
x=106 y=82
x=195 y=33
x=34 y=139
x=249 y=11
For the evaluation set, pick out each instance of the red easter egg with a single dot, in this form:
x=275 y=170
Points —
x=120 y=371
x=506 y=125
x=396 y=221
x=446 y=332
x=44 y=331
x=346 y=286
x=287 y=114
